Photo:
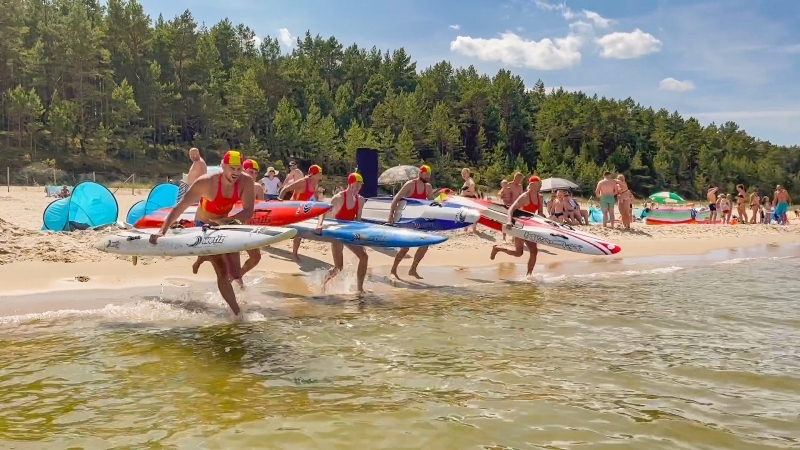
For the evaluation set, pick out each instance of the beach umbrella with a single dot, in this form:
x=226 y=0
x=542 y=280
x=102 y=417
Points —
x=667 y=197
x=398 y=175
x=555 y=184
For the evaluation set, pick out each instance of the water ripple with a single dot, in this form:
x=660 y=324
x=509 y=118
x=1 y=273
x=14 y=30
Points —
x=704 y=357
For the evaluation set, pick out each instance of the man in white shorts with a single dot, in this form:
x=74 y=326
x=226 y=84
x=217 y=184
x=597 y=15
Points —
x=272 y=185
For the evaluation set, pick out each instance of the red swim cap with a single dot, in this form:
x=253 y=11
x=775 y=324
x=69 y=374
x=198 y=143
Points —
x=314 y=170
x=534 y=179
x=232 y=158
x=425 y=168
x=354 y=178
x=250 y=164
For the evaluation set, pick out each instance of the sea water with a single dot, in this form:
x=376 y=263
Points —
x=689 y=353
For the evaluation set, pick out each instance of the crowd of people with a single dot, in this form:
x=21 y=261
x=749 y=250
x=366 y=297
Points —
x=238 y=182
x=750 y=208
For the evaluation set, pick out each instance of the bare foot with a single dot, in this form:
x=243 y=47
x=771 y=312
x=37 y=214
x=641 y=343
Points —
x=236 y=318
x=414 y=274
x=196 y=266
x=494 y=252
x=393 y=277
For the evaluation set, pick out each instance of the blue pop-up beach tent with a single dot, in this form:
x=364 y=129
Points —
x=90 y=205
x=164 y=195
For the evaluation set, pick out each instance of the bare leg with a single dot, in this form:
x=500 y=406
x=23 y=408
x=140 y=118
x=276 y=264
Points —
x=338 y=262
x=533 y=249
x=196 y=266
x=363 y=260
x=399 y=257
x=234 y=263
x=296 y=248
x=223 y=282
x=253 y=258
x=517 y=251
x=418 y=255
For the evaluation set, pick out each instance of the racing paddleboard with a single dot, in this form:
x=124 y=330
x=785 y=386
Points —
x=419 y=214
x=538 y=229
x=365 y=234
x=272 y=213
x=195 y=241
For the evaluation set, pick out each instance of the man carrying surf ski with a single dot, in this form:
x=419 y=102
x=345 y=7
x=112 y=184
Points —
x=421 y=189
x=250 y=167
x=217 y=194
x=347 y=205
x=530 y=201
x=303 y=190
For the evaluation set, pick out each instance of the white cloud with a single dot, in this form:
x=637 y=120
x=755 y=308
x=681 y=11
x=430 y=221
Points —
x=565 y=11
x=582 y=28
x=628 y=45
x=597 y=19
x=671 y=84
x=257 y=41
x=513 y=50
x=286 y=37
x=569 y=14
x=455 y=27
x=734 y=115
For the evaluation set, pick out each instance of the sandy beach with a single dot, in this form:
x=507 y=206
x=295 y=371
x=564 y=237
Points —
x=33 y=261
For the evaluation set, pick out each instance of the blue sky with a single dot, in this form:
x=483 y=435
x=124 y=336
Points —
x=720 y=60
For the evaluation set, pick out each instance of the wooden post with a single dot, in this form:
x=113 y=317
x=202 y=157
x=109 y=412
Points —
x=133 y=182
x=54 y=177
x=8 y=178
x=94 y=177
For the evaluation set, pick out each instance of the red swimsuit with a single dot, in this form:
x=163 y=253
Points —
x=220 y=206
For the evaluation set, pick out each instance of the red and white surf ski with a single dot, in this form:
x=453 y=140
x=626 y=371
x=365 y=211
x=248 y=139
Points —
x=537 y=229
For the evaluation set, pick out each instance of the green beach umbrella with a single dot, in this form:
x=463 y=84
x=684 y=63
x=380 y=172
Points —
x=667 y=197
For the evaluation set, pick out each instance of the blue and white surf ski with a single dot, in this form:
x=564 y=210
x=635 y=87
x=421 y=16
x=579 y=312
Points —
x=419 y=214
x=365 y=234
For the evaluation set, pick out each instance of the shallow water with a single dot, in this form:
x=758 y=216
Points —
x=687 y=353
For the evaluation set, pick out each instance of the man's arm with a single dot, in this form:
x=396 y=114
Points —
x=597 y=189
x=336 y=205
x=429 y=191
x=401 y=194
x=248 y=200
x=521 y=201
x=361 y=203
x=192 y=195
x=290 y=187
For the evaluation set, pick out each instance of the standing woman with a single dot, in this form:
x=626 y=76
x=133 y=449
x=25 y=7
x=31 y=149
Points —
x=754 y=205
x=624 y=202
x=468 y=190
x=741 y=203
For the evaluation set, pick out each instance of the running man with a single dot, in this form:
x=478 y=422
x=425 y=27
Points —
x=253 y=256
x=530 y=201
x=250 y=167
x=347 y=205
x=217 y=195
x=781 y=204
x=606 y=191
x=198 y=169
x=420 y=189
x=302 y=189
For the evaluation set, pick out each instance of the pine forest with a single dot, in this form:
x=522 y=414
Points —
x=86 y=87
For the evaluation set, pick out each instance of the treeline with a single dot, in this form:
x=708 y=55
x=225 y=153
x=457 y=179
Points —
x=105 y=88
